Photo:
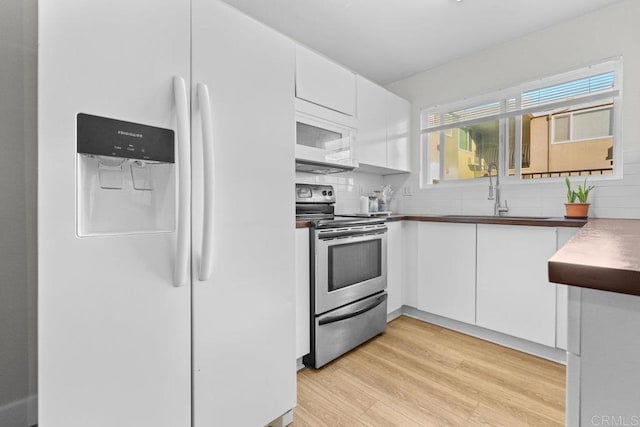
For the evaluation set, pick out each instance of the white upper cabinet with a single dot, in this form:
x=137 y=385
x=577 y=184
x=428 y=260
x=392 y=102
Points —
x=323 y=82
x=328 y=90
x=382 y=144
x=398 y=119
x=372 y=124
x=514 y=295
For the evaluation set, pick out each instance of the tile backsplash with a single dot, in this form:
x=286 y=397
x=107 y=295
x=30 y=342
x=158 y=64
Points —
x=611 y=198
x=349 y=186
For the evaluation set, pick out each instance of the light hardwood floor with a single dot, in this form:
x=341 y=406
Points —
x=418 y=374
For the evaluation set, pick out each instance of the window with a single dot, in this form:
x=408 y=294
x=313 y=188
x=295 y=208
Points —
x=580 y=125
x=463 y=139
x=560 y=126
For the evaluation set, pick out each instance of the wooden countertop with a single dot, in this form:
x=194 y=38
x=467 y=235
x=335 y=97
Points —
x=488 y=219
x=471 y=219
x=604 y=255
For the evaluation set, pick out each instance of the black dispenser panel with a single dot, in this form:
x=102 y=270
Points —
x=116 y=138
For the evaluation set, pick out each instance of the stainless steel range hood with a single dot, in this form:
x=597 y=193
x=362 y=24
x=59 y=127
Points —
x=325 y=168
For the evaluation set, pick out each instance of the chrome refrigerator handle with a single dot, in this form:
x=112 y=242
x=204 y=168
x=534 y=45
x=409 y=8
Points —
x=206 y=256
x=181 y=273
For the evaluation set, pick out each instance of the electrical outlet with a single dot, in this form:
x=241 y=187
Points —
x=406 y=190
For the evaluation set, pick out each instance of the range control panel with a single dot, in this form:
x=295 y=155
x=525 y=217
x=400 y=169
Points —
x=102 y=136
x=311 y=193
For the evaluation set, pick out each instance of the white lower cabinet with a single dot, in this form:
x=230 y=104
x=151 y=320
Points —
x=410 y=247
x=564 y=234
x=514 y=295
x=447 y=270
x=395 y=266
x=493 y=276
x=303 y=286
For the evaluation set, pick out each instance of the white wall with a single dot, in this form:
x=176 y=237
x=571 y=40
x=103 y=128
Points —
x=603 y=34
x=18 y=265
x=349 y=186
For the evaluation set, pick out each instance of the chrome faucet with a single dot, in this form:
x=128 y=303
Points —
x=498 y=210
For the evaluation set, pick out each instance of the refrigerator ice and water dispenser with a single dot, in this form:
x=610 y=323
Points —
x=126 y=180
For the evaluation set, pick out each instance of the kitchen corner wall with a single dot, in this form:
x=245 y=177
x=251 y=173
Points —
x=600 y=35
x=349 y=186
x=18 y=243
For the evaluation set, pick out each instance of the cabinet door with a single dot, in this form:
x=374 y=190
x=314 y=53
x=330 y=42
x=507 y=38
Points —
x=324 y=82
x=303 y=284
x=244 y=314
x=514 y=294
x=398 y=129
x=447 y=270
x=371 y=142
x=395 y=266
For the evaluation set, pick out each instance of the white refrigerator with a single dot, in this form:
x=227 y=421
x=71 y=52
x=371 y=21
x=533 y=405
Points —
x=166 y=282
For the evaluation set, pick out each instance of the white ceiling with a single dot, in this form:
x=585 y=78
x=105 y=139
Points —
x=388 y=40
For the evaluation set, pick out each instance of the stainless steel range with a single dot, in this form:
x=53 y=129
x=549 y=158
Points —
x=348 y=275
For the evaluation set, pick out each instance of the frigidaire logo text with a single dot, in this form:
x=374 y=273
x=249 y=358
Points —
x=135 y=135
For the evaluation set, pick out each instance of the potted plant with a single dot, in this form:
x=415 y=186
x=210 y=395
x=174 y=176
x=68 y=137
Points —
x=579 y=208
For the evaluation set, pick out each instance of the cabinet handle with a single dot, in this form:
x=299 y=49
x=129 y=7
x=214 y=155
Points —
x=184 y=182
x=208 y=154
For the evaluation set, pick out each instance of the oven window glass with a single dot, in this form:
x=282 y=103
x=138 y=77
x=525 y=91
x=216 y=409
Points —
x=352 y=263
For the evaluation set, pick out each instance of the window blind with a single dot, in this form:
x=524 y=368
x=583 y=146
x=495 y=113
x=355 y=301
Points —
x=584 y=90
x=569 y=90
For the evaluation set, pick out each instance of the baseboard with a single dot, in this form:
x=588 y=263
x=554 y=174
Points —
x=284 y=420
x=550 y=353
x=299 y=364
x=20 y=413
x=394 y=314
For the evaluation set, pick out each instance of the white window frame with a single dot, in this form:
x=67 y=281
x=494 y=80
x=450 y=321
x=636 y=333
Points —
x=514 y=93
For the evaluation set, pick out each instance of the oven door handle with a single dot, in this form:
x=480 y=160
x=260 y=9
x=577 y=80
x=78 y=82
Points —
x=346 y=316
x=354 y=233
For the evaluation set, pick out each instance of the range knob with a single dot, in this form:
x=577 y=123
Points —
x=331 y=193
x=324 y=192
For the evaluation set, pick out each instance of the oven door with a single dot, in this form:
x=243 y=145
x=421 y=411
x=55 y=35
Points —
x=349 y=264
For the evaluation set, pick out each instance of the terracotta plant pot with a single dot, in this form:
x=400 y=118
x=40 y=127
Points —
x=577 y=210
